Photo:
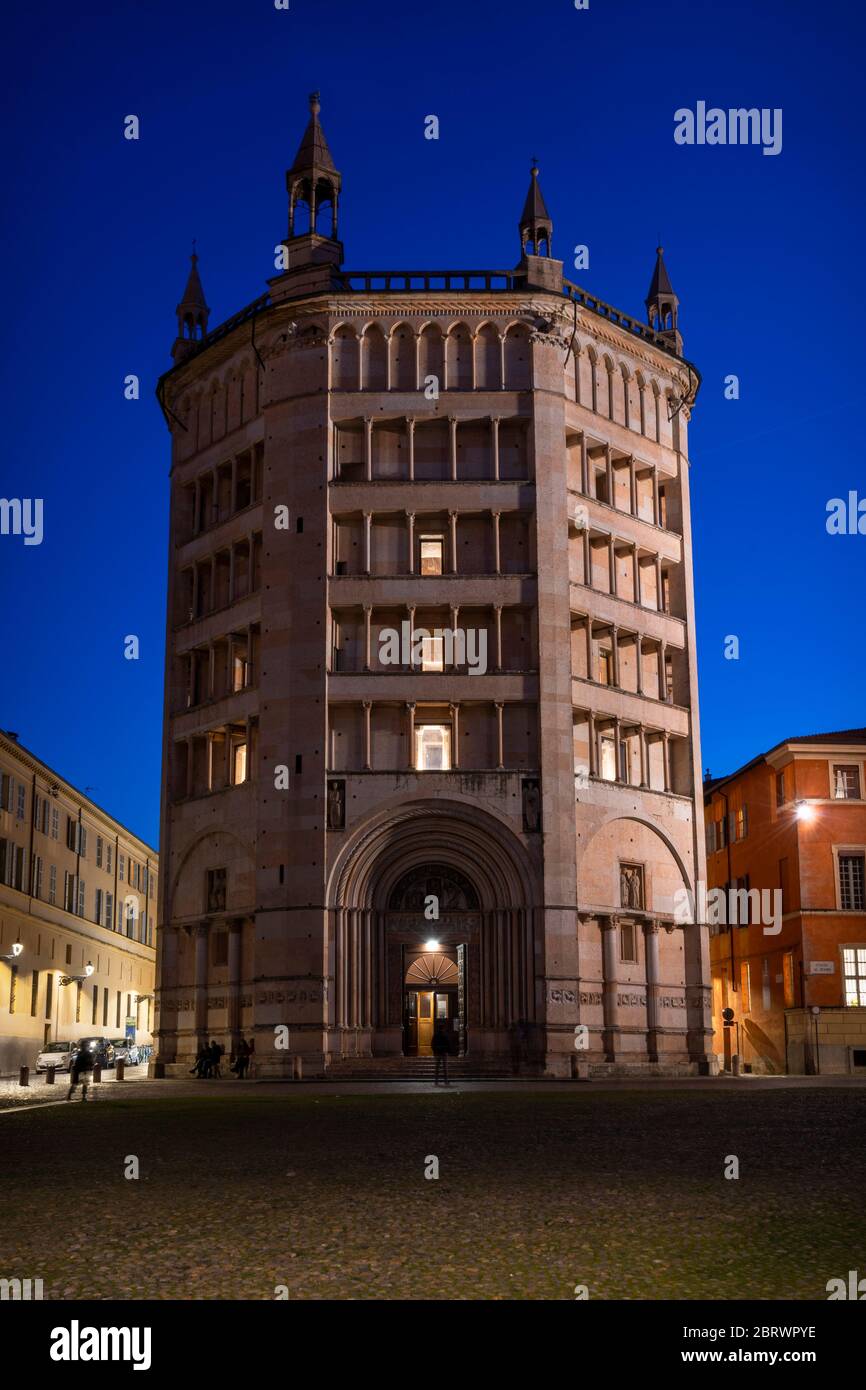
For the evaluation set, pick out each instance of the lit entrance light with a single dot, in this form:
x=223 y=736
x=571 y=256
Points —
x=805 y=811
x=432 y=946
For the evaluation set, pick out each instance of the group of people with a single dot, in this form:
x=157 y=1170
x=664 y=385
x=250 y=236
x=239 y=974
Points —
x=210 y=1055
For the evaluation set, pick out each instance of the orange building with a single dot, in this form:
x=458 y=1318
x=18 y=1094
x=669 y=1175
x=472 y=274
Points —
x=786 y=902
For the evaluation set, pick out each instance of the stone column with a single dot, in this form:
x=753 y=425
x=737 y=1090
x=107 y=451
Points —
x=196 y=520
x=200 y=993
x=411 y=432
x=651 y=942
x=657 y=518
x=410 y=706
x=610 y=987
x=368 y=706
x=667 y=759
x=500 y=744
x=410 y=610
x=368 y=446
x=498 y=611
x=232 y=573
x=368 y=527
x=638 y=657
x=410 y=524
x=452 y=520
x=497 y=561
x=587 y=557
x=190 y=761
x=632 y=482
x=368 y=636
x=494 y=423
x=590 y=664
x=593 y=751
x=452 y=420
x=455 y=615
x=614 y=644
x=611 y=563
x=638 y=596
x=663 y=683
x=644 y=761
x=608 y=465
x=455 y=735
x=659 y=595
x=584 y=467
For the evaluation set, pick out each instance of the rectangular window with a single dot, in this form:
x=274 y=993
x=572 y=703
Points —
x=52 y=883
x=607 y=752
x=97 y=907
x=846 y=782
x=95 y=1012
x=105 y=1007
x=117 y=1013
x=49 y=994
x=21 y=807
x=239 y=764
x=99 y=848
x=34 y=993
x=745 y=988
x=150 y=931
x=739 y=823
x=130 y=918
x=109 y=858
x=851 y=880
x=6 y=788
x=432 y=553
x=216 y=890
x=605 y=666
x=432 y=652
x=854 y=972
x=239 y=673
x=788 y=978
x=121 y=866
x=433 y=747
x=36 y=876
x=68 y=891
x=780 y=788
x=55 y=823
x=627 y=943
x=81 y=895
x=109 y=911
x=71 y=833
x=145 y=878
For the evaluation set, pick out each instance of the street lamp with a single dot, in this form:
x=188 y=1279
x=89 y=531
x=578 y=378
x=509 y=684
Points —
x=803 y=811
x=15 y=951
x=78 y=979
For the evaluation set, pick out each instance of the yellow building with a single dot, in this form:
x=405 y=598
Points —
x=77 y=915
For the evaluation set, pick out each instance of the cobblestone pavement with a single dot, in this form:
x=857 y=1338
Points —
x=320 y=1189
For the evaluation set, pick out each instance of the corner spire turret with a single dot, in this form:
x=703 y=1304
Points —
x=536 y=224
x=662 y=305
x=313 y=184
x=192 y=312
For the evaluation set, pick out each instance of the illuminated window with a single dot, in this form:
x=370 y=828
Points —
x=432 y=653
x=846 y=782
x=432 y=551
x=854 y=970
x=240 y=674
x=607 y=750
x=433 y=747
x=239 y=763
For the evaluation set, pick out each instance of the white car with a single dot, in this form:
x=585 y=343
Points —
x=57 y=1055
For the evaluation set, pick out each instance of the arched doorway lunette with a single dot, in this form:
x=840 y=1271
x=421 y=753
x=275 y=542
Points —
x=485 y=889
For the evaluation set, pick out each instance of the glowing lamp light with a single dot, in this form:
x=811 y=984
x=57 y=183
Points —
x=89 y=969
x=804 y=811
x=17 y=948
x=431 y=946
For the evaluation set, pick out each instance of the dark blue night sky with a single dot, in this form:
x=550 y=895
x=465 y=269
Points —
x=765 y=254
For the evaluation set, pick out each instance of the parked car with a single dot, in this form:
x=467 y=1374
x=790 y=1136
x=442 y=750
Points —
x=57 y=1055
x=126 y=1051
x=101 y=1048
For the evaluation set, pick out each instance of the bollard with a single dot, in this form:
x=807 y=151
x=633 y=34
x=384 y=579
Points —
x=97 y=1072
x=49 y=1076
x=297 y=1068
x=118 y=1070
x=24 y=1077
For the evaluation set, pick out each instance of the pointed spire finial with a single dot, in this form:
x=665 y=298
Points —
x=315 y=103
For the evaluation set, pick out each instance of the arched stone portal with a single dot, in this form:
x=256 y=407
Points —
x=418 y=881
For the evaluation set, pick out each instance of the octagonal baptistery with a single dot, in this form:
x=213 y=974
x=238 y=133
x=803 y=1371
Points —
x=431 y=734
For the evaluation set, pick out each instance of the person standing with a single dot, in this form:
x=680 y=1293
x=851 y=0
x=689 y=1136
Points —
x=242 y=1060
x=441 y=1047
